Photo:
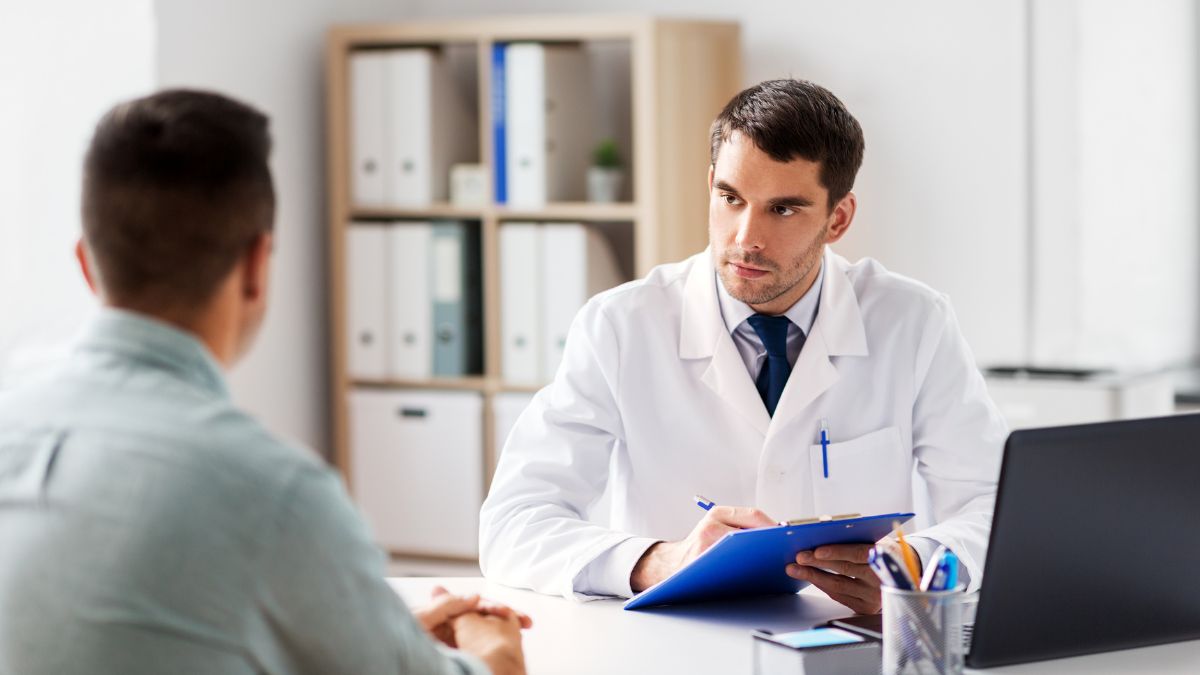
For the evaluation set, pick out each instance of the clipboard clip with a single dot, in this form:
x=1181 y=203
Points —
x=821 y=519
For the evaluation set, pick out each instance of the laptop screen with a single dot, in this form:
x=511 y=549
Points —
x=1094 y=543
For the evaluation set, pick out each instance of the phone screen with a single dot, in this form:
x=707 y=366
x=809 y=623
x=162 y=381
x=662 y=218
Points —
x=817 y=637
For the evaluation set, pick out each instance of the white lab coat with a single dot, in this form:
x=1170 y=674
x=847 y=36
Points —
x=652 y=385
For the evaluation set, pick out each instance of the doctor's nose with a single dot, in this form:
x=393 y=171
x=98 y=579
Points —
x=749 y=231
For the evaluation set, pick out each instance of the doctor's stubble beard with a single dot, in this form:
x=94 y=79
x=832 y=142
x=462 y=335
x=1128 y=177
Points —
x=785 y=278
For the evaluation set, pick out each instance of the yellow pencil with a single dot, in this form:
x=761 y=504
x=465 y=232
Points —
x=910 y=558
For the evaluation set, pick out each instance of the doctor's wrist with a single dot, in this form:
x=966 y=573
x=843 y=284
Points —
x=657 y=563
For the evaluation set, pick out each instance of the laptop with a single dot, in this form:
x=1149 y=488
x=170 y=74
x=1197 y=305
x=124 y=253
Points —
x=1094 y=545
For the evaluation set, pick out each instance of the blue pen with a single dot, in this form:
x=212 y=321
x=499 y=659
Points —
x=951 y=563
x=825 y=445
x=707 y=504
x=875 y=561
x=900 y=577
x=942 y=573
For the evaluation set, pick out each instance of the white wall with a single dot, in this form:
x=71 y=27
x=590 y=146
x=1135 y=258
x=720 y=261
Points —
x=62 y=65
x=269 y=53
x=939 y=88
x=1115 y=184
x=1054 y=198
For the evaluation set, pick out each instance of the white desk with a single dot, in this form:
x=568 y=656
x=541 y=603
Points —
x=600 y=637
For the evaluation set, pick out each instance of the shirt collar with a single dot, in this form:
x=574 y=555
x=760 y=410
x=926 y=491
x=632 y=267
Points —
x=155 y=344
x=803 y=313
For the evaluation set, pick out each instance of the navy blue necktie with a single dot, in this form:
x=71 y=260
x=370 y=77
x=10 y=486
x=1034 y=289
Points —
x=772 y=330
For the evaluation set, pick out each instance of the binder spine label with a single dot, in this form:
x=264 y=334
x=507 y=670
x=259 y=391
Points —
x=499 y=124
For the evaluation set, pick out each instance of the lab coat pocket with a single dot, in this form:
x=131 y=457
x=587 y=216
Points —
x=869 y=475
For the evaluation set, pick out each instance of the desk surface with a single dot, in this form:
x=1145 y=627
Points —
x=601 y=637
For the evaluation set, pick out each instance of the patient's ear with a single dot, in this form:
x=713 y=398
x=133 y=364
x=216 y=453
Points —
x=85 y=265
x=257 y=268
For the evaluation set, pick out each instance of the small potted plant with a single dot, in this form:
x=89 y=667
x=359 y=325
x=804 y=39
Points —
x=605 y=175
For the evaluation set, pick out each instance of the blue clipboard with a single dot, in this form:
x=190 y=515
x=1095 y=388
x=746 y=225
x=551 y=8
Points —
x=751 y=562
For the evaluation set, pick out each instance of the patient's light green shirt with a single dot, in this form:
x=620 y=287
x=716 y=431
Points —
x=148 y=526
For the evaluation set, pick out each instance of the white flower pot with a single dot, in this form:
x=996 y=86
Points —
x=603 y=184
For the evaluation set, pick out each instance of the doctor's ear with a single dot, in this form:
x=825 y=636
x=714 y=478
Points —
x=710 y=175
x=840 y=217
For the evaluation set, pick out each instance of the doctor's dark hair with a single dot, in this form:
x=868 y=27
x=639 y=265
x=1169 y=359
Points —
x=175 y=189
x=789 y=119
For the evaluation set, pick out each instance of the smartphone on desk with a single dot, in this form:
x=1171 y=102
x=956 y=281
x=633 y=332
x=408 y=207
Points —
x=814 y=638
x=867 y=625
x=819 y=650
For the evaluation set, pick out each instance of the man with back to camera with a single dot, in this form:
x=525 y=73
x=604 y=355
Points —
x=715 y=376
x=148 y=525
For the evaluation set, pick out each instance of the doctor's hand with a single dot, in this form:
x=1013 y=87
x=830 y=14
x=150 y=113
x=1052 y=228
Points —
x=841 y=571
x=664 y=558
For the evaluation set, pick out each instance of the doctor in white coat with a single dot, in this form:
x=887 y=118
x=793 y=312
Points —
x=713 y=376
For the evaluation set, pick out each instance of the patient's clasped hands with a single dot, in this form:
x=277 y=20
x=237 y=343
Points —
x=487 y=630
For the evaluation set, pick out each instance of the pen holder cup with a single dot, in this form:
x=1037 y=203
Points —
x=922 y=632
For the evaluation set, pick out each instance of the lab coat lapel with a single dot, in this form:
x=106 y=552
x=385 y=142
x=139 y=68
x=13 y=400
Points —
x=812 y=375
x=703 y=335
x=838 y=331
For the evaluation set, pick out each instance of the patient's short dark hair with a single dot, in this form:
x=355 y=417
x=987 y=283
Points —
x=175 y=188
x=789 y=119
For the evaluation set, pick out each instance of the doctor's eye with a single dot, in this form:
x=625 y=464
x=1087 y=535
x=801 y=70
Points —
x=731 y=199
x=781 y=210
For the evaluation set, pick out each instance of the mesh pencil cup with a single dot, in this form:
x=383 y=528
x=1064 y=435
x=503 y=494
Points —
x=922 y=631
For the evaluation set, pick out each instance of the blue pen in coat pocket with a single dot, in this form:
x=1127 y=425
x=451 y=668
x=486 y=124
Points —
x=825 y=446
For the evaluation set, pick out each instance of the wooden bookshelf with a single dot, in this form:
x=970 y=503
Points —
x=681 y=73
x=573 y=211
x=467 y=383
